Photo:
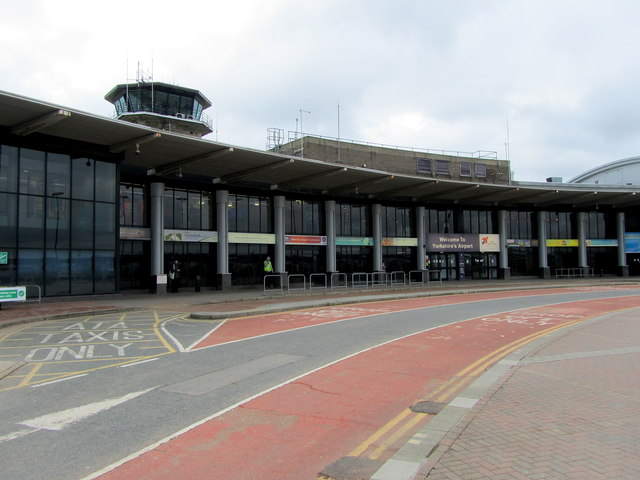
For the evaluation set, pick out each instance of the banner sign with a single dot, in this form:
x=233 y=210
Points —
x=355 y=241
x=13 y=294
x=562 y=242
x=399 y=242
x=489 y=242
x=135 y=233
x=261 y=238
x=305 y=240
x=602 y=243
x=456 y=242
x=632 y=242
x=190 y=236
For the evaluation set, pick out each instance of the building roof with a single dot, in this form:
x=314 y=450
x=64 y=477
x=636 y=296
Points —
x=120 y=89
x=162 y=153
x=622 y=165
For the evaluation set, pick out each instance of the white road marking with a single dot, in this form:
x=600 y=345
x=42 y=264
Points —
x=59 y=380
x=138 y=363
x=58 y=420
x=17 y=434
x=188 y=349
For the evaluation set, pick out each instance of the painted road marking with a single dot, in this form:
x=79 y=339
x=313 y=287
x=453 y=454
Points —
x=85 y=344
x=522 y=330
x=57 y=380
x=58 y=421
x=62 y=419
x=138 y=363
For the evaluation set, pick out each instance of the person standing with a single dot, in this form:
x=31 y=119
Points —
x=268 y=270
x=174 y=276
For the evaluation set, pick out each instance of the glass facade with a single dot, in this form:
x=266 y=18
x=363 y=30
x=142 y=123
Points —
x=303 y=217
x=58 y=219
x=59 y=215
x=249 y=214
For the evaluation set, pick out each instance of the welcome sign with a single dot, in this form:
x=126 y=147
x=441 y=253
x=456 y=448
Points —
x=455 y=242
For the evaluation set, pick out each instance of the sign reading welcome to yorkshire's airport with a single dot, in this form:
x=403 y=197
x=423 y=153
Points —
x=13 y=294
x=455 y=242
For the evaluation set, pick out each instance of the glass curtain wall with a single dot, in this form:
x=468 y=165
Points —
x=59 y=222
x=522 y=230
x=186 y=209
x=249 y=215
x=398 y=222
x=304 y=217
x=353 y=222
x=561 y=225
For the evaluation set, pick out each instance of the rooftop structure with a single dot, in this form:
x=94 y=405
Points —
x=162 y=106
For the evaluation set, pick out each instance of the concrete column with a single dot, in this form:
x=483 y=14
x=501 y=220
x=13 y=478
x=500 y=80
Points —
x=421 y=233
x=503 y=259
x=623 y=268
x=581 y=218
x=222 y=226
x=278 y=220
x=542 y=246
x=376 y=213
x=330 y=222
x=159 y=279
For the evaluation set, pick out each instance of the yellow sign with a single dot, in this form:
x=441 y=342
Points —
x=563 y=242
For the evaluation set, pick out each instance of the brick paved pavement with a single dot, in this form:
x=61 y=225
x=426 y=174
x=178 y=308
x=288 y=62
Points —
x=570 y=410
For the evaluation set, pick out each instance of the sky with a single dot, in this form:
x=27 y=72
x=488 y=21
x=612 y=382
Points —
x=551 y=85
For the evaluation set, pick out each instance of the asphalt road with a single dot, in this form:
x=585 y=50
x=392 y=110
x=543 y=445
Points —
x=91 y=412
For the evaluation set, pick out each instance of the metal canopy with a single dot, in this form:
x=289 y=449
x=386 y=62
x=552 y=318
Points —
x=163 y=154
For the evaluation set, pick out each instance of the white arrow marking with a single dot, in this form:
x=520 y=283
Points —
x=59 y=420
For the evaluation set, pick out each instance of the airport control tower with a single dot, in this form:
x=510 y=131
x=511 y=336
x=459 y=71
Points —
x=162 y=106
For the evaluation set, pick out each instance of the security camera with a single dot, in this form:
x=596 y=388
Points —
x=137 y=149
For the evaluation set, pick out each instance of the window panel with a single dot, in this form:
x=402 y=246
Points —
x=8 y=169
x=106 y=185
x=82 y=224
x=82 y=178
x=31 y=171
x=58 y=175
x=31 y=221
x=8 y=219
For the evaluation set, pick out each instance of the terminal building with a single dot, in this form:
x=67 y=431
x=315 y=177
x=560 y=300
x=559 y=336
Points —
x=95 y=205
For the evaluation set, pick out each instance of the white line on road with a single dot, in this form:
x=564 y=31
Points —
x=188 y=349
x=58 y=420
x=17 y=434
x=59 y=380
x=138 y=363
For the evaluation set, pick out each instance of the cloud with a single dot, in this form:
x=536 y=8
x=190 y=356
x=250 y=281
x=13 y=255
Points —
x=438 y=74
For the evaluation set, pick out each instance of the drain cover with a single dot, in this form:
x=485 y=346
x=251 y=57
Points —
x=352 y=468
x=432 y=408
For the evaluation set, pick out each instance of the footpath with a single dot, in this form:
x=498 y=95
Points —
x=566 y=406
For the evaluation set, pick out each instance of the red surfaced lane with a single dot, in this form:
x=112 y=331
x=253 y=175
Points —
x=294 y=431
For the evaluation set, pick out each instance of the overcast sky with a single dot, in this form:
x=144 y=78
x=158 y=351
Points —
x=558 y=79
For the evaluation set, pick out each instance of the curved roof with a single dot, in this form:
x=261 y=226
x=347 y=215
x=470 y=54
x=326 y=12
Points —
x=626 y=164
x=162 y=154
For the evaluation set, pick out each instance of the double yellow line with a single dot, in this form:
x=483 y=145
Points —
x=407 y=419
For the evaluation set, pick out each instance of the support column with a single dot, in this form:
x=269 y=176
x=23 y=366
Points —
x=421 y=233
x=581 y=218
x=503 y=259
x=376 y=212
x=544 y=271
x=623 y=268
x=330 y=222
x=158 y=277
x=223 y=280
x=278 y=221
